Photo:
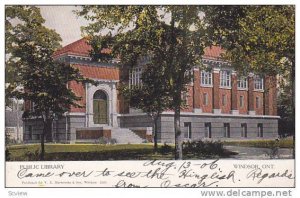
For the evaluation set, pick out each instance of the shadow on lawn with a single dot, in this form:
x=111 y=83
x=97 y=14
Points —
x=191 y=150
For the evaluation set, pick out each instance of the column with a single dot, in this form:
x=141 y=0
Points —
x=251 y=95
x=216 y=97
x=266 y=104
x=196 y=91
x=234 y=92
x=270 y=103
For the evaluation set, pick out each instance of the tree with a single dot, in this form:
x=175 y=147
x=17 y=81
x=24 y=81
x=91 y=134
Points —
x=174 y=33
x=259 y=39
x=286 y=124
x=30 y=46
x=151 y=96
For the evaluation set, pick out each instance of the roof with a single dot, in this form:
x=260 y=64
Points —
x=213 y=52
x=106 y=73
x=82 y=48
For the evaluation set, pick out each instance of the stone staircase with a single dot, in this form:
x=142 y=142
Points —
x=125 y=136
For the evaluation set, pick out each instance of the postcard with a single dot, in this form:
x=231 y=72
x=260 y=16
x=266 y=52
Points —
x=161 y=96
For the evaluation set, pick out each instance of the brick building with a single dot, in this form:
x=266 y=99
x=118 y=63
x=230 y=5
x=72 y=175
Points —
x=220 y=104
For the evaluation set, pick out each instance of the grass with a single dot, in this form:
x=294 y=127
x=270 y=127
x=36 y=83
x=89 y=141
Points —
x=283 y=143
x=90 y=152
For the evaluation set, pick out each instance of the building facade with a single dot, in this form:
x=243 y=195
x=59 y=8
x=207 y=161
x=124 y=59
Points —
x=220 y=104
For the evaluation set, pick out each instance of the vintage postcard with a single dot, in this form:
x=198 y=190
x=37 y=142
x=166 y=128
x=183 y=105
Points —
x=150 y=96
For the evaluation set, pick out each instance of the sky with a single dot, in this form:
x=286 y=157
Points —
x=64 y=21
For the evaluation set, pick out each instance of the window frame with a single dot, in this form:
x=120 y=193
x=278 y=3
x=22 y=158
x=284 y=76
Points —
x=224 y=100
x=207 y=134
x=244 y=132
x=242 y=83
x=260 y=130
x=242 y=101
x=206 y=78
x=257 y=102
x=184 y=97
x=205 y=99
x=225 y=78
x=258 y=83
x=226 y=130
x=135 y=77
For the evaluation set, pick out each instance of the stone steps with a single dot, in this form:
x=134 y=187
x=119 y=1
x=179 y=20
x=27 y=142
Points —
x=125 y=136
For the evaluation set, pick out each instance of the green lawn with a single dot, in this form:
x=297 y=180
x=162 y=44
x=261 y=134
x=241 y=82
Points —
x=283 y=143
x=75 y=152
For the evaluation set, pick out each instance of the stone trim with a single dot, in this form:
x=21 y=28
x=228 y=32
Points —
x=205 y=114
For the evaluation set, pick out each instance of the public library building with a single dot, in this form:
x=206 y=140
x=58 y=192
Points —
x=220 y=104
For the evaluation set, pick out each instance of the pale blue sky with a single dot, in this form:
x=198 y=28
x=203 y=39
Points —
x=64 y=21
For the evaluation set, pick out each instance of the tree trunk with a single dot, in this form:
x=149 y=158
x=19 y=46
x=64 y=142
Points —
x=178 y=143
x=155 y=135
x=47 y=126
x=42 y=154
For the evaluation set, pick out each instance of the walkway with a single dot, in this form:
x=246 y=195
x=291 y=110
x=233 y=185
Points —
x=258 y=153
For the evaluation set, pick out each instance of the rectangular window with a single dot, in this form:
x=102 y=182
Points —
x=260 y=132
x=242 y=83
x=226 y=130
x=258 y=83
x=184 y=98
x=188 y=130
x=244 y=130
x=206 y=78
x=30 y=132
x=225 y=78
x=205 y=99
x=257 y=102
x=224 y=100
x=241 y=101
x=207 y=132
x=135 y=77
x=32 y=106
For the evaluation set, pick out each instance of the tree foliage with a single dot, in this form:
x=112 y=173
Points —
x=256 y=38
x=29 y=49
x=171 y=35
x=259 y=39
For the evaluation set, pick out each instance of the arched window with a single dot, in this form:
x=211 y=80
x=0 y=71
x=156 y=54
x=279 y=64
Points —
x=100 y=107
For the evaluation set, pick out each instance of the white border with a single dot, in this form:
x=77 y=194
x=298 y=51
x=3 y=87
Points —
x=125 y=192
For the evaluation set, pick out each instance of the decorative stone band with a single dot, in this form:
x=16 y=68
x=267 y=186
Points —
x=205 y=114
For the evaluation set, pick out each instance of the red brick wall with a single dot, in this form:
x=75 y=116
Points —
x=270 y=96
x=234 y=98
x=27 y=105
x=250 y=94
x=92 y=134
x=197 y=94
x=79 y=90
x=273 y=96
x=90 y=72
x=244 y=109
x=227 y=107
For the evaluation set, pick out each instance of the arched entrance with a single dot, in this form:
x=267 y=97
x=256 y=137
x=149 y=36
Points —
x=100 y=107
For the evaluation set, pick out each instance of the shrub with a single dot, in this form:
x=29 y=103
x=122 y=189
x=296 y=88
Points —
x=165 y=149
x=32 y=156
x=7 y=154
x=105 y=140
x=203 y=148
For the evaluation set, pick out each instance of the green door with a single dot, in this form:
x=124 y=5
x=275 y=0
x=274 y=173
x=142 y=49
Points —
x=100 y=108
